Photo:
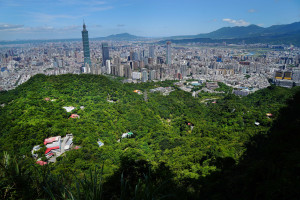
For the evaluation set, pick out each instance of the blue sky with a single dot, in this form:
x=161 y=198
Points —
x=49 y=19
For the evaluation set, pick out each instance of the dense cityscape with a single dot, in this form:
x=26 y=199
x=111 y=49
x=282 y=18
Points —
x=243 y=67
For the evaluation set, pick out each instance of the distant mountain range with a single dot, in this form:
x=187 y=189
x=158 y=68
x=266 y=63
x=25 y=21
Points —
x=116 y=37
x=121 y=37
x=277 y=34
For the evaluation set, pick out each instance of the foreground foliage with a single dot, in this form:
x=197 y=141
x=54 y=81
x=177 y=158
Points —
x=193 y=144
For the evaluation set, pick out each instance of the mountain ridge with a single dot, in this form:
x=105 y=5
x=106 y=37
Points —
x=251 y=30
x=236 y=32
x=120 y=36
x=276 y=34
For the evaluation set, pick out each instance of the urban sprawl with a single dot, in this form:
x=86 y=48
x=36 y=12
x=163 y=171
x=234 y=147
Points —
x=245 y=67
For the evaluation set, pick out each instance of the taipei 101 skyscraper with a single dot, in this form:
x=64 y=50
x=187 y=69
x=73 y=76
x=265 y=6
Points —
x=86 y=46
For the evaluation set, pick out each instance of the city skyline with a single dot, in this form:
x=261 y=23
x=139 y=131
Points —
x=32 y=19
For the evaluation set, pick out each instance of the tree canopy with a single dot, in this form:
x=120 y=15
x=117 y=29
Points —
x=187 y=141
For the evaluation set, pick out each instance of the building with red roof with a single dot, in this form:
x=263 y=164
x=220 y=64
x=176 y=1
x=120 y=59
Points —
x=50 y=149
x=51 y=139
x=74 y=116
x=41 y=163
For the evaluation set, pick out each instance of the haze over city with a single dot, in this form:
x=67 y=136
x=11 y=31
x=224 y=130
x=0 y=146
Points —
x=59 y=19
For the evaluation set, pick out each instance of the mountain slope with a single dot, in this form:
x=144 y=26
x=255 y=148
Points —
x=293 y=28
x=162 y=130
x=120 y=37
x=116 y=37
x=233 y=32
x=287 y=39
x=277 y=34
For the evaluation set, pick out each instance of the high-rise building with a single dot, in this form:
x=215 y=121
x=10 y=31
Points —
x=151 y=51
x=105 y=53
x=114 y=70
x=150 y=61
x=86 y=46
x=169 y=54
x=116 y=60
x=135 y=65
x=107 y=67
x=159 y=60
x=120 y=70
x=183 y=70
x=135 y=56
x=136 y=75
x=127 y=71
x=178 y=76
x=144 y=75
x=152 y=75
x=145 y=61
x=131 y=55
x=161 y=73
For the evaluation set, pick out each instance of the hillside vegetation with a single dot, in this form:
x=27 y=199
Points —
x=182 y=147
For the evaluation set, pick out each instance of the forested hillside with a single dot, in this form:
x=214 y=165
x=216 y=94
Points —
x=182 y=147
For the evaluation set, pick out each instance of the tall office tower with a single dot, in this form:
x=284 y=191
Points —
x=183 y=70
x=141 y=55
x=135 y=65
x=152 y=75
x=117 y=60
x=97 y=68
x=161 y=73
x=144 y=75
x=86 y=46
x=142 y=65
x=169 y=56
x=127 y=71
x=135 y=56
x=105 y=53
x=151 y=51
x=107 y=67
x=131 y=55
x=145 y=61
x=113 y=69
x=120 y=70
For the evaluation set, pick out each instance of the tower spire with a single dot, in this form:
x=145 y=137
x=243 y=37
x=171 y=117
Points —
x=84 y=26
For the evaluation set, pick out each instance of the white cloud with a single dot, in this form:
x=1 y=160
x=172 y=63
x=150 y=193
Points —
x=252 y=11
x=38 y=29
x=239 y=22
x=10 y=26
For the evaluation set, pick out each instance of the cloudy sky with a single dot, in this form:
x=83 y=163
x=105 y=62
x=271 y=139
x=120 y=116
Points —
x=49 y=19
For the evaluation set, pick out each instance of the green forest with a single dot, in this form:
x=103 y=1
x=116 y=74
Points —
x=214 y=146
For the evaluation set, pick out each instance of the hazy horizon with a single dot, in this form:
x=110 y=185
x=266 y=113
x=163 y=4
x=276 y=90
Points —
x=62 y=19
